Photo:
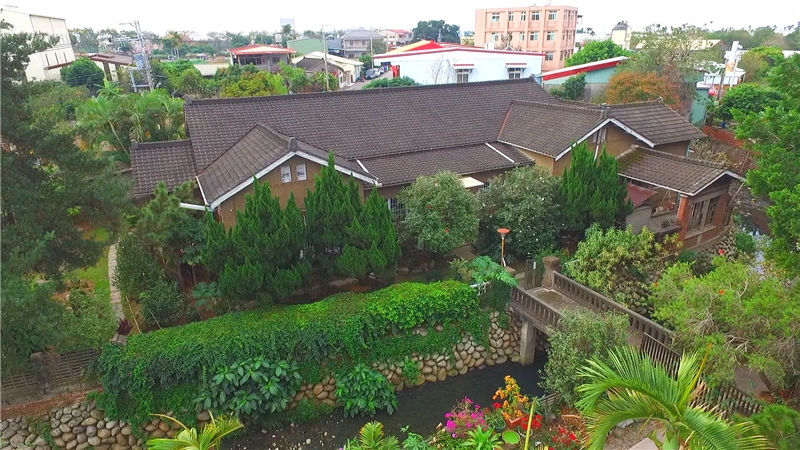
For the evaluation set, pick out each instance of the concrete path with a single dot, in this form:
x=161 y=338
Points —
x=116 y=297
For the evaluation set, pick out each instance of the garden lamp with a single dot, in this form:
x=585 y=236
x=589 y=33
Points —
x=503 y=232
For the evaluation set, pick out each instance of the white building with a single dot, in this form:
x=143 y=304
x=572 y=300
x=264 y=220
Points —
x=440 y=63
x=347 y=70
x=55 y=56
x=621 y=34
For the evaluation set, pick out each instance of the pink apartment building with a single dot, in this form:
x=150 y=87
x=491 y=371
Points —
x=546 y=29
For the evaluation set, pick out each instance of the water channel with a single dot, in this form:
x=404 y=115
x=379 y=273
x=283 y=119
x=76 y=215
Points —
x=421 y=408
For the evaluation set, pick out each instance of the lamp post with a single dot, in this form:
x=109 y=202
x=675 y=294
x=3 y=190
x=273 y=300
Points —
x=503 y=232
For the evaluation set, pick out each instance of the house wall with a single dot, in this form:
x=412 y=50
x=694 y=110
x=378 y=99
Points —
x=491 y=32
x=694 y=238
x=548 y=162
x=226 y=212
x=391 y=191
x=675 y=148
x=60 y=53
x=617 y=140
x=700 y=105
x=438 y=68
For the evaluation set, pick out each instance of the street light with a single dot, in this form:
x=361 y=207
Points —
x=503 y=232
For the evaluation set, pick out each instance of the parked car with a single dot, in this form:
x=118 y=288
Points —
x=372 y=74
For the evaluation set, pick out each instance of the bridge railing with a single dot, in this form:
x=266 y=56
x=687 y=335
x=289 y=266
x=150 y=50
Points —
x=601 y=303
x=530 y=304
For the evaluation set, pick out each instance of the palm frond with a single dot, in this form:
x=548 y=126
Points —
x=712 y=432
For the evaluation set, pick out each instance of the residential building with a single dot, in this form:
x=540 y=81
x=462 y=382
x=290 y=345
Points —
x=265 y=57
x=477 y=130
x=598 y=75
x=428 y=62
x=359 y=42
x=546 y=29
x=346 y=70
x=396 y=38
x=335 y=45
x=306 y=45
x=621 y=34
x=43 y=65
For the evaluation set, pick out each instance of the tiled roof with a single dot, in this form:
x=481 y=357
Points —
x=548 y=128
x=261 y=49
x=677 y=173
x=361 y=34
x=255 y=151
x=406 y=167
x=316 y=65
x=170 y=162
x=447 y=115
x=656 y=121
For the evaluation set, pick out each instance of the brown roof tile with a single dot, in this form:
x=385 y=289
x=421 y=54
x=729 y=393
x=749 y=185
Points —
x=406 y=167
x=687 y=176
x=655 y=121
x=351 y=123
x=254 y=152
x=548 y=128
x=170 y=162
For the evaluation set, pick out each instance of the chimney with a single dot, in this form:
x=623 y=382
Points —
x=605 y=111
x=292 y=144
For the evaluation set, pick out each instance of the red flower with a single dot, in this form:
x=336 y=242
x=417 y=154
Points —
x=429 y=206
x=722 y=252
x=447 y=230
x=655 y=284
x=497 y=405
x=721 y=292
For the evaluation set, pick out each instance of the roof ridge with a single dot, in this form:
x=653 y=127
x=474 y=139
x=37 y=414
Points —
x=378 y=91
x=562 y=106
x=419 y=150
x=701 y=162
x=170 y=143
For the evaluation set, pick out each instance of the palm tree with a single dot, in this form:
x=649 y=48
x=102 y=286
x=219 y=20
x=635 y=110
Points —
x=632 y=387
x=188 y=438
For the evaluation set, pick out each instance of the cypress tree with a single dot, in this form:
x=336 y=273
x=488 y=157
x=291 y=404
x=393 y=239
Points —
x=331 y=208
x=592 y=190
x=372 y=241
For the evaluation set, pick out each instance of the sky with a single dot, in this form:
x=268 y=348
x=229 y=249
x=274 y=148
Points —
x=242 y=16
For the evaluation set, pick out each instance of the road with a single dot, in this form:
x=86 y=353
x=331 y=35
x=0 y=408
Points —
x=360 y=84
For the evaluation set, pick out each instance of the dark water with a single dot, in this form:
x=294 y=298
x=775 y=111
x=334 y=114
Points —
x=422 y=408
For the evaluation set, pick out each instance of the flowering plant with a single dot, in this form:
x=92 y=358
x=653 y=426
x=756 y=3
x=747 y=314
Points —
x=464 y=417
x=536 y=423
x=565 y=439
x=513 y=402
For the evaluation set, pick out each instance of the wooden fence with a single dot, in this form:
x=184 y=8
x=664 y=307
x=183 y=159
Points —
x=601 y=303
x=47 y=372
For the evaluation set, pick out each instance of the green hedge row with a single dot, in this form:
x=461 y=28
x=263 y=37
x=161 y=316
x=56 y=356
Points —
x=359 y=327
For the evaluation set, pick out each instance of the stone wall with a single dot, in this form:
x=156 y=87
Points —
x=82 y=425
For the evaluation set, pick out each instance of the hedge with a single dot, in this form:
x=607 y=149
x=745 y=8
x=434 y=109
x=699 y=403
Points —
x=361 y=327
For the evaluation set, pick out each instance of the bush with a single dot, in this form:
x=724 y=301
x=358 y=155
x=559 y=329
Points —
x=687 y=256
x=581 y=335
x=746 y=243
x=364 y=391
x=411 y=370
x=354 y=326
x=254 y=387
x=572 y=89
x=390 y=83
x=780 y=424
x=137 y=270
x=308 y=410
x=483 y=271
x=747 y=98
x=162 y=304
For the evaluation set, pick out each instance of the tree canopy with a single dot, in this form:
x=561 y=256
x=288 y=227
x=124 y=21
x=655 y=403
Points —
x=745 y=317
x=758 y=61
x=596 y=51
x=776 y=144
x=631 y=87
x=747 y=98
x=83 y=72
x=390 y=83
x=430 y=30
x=572 y=89
x=441 y=213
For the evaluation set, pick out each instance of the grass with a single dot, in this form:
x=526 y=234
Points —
x=98 y=274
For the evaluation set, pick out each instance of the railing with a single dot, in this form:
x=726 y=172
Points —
x=49 y=372
x=730 y=398
x=532 y=305
x=601 y=303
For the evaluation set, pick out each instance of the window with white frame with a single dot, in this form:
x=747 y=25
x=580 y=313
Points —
x=286 y=174
x=549 y=56
x=301 y=171
x=397 y=208
x=495 y=37
x=462 y=75
x=551 y=36
x=515 y=73
x=563 y=35
x=522 y=16
x=522 y=36
x=552 y=15
x=495 y=17
x=534 y=35
x=534 y=15
x=511 y=16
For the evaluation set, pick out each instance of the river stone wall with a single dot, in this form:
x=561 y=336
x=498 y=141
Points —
x=82 y=425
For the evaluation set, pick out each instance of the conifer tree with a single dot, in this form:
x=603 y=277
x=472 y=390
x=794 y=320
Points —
x=260 y=257
x=331 y=208
x=372 y=245
x=592 y=190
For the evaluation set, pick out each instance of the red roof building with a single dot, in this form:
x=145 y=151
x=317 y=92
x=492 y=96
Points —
x=265 y=57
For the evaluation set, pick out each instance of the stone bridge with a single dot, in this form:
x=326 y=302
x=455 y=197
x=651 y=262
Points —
x=542 y=307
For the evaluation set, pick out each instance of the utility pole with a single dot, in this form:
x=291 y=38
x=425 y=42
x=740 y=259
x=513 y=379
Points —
x=144 y=66
x=325 y=58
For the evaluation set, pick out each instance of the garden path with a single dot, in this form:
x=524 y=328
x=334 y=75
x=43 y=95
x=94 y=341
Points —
x=116 y=297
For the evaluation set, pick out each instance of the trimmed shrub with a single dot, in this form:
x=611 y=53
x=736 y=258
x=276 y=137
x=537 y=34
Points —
x=162 y=304
x=137 y=270
x=366 y=328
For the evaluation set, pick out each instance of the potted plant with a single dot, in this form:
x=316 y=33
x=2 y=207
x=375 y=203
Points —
x=496 y=420
x=513 y=402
